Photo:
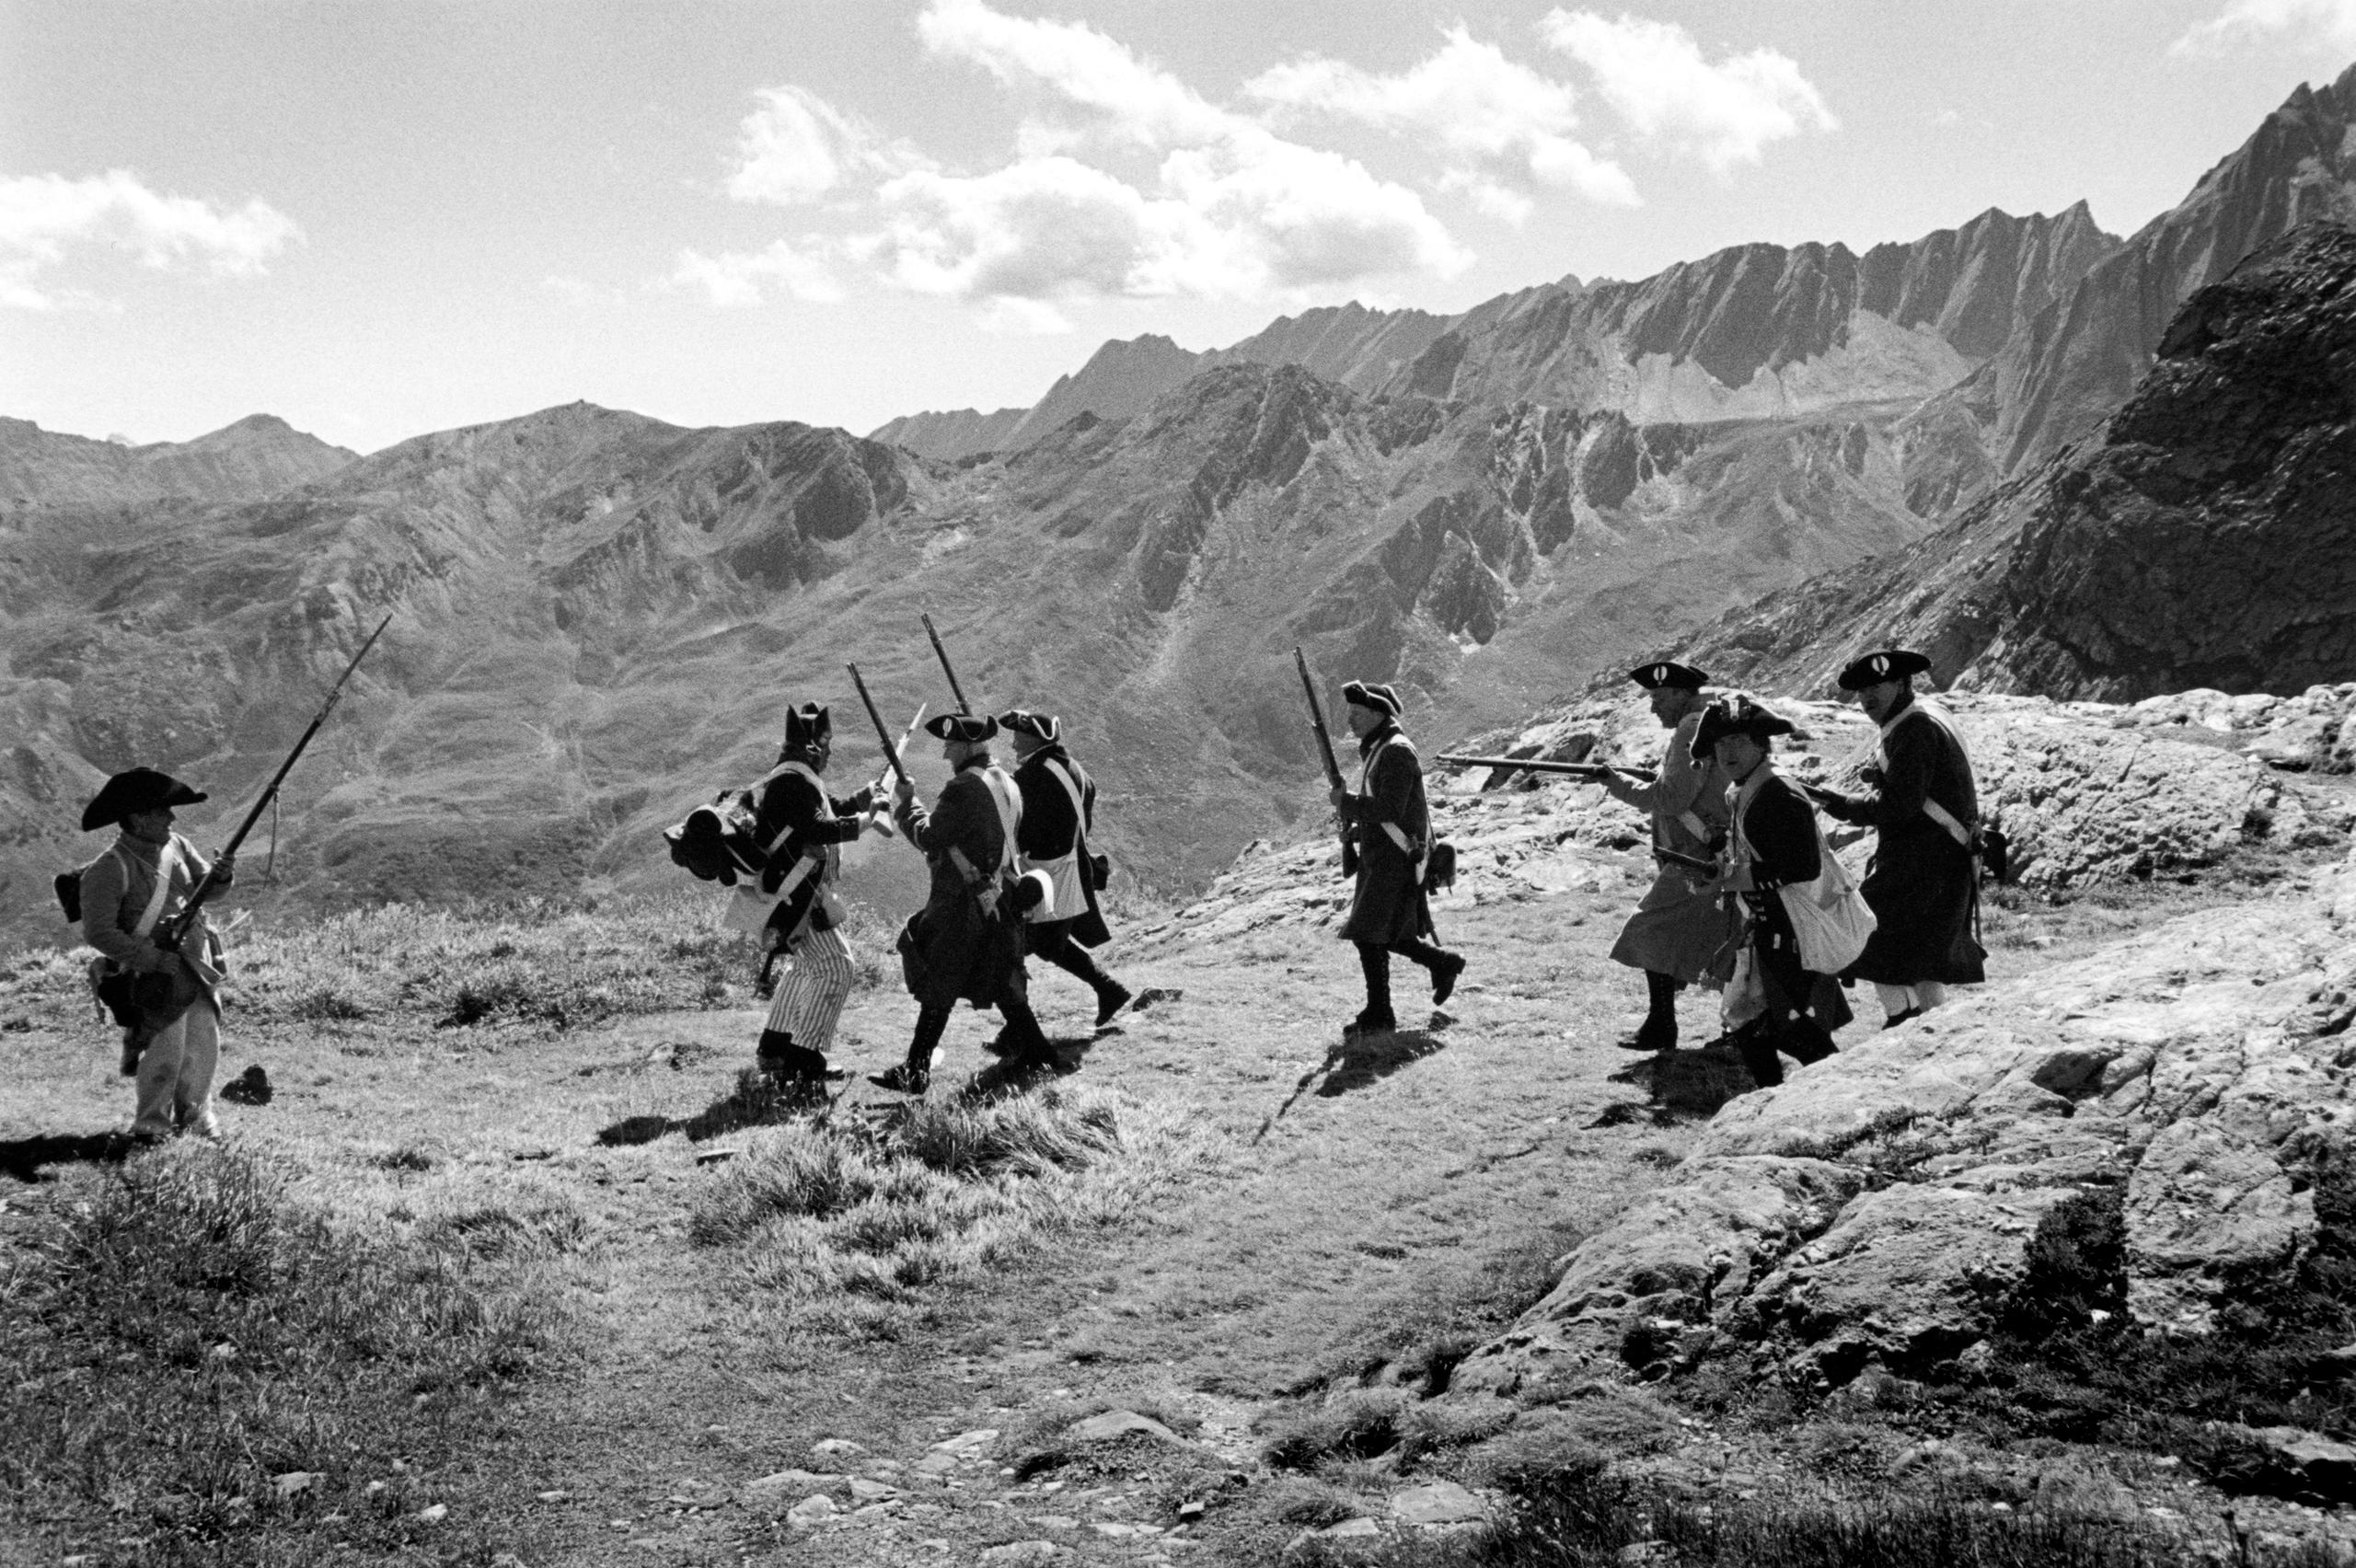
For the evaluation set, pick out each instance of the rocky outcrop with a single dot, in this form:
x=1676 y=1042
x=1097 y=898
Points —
x=1878 y=1209
x=2206 y=541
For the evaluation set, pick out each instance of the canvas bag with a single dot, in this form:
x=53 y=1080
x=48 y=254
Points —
x=1831 y=920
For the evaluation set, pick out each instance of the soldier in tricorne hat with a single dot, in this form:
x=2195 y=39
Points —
x=1058 y=814
x=802 y=829
x=1676 y=934
x=967 y=942
x=1773 y=843
x=143 y=881
x=1390 y=822
x=1924 y=805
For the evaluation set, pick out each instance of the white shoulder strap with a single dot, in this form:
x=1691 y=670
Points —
x=1079 y=812
x=168 y=860
x=1009 y=801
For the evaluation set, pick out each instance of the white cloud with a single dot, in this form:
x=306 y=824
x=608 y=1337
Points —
x=2326 y=24
x=43 y=217
x=797 y=147
x=1496 y=120
x=738 y=279
x=1078 y=73
x=1654 y=75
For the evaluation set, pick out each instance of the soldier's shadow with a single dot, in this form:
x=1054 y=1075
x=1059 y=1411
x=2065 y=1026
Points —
x=23 y=1159
x=1362 y=1060
x=1001 y=1078
x=1686 y=1085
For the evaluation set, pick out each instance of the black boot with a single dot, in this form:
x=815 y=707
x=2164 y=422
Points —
x=1446 y=970
x=1659 y=1032
x=1111 y=997
x=1755 y=1043
x=781 y=1058
x=915 y=1075
x=1027 y=1042
x=1376 y=1016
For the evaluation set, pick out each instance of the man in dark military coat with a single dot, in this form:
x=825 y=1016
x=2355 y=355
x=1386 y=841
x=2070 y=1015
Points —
x=1388 y=819
x=1924 y=805
x=1675 y=934
x=967 y=942
x=1058 y=814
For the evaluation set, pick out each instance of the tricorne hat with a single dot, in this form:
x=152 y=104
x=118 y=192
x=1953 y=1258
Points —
x=1889 y=665
x=1738 y=716
x=1668 y=673
x=1369 y=695
x=1022 y=721
x=139 y=790
x=807 y=725
x=971 y=727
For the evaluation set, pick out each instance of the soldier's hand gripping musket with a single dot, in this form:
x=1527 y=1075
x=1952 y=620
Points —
x=1325 y=755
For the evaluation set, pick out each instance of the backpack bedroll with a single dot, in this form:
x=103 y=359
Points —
x=716 y=842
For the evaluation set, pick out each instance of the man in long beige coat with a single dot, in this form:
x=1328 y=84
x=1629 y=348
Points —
x=1675 y=933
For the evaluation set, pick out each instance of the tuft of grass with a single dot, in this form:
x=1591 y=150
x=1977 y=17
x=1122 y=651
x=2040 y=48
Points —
x=189 y=1336
x=847 y=1223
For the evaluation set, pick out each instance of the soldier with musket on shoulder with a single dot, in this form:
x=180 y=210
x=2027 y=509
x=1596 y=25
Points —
x=1675 y=934
x=967 y=942
x=1781 y=1006
x=1390 y=824
x=167 y=998
x=1922 y=803
x=802 y=830
x=1058 y=814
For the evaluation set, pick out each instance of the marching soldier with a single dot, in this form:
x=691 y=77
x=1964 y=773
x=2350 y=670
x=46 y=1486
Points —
x=1392 y=826
x=145 y=880
x=1925 y=808
x=967 y=942
x=1773 y=843
x=802 y=830
x=1058 y=810
x=1675 y=933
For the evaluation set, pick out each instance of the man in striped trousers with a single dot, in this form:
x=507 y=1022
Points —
x=802 y=830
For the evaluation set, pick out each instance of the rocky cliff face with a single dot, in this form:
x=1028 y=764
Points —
x=256 y=456
x=2075 y=361
x=2206 y=540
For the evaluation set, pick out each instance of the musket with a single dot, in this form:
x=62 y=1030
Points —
x=943 y=654
x=1534 y=765
x=891 y=753
x=169 y=933
x=1325 y=754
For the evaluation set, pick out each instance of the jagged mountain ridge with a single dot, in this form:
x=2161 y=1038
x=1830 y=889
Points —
x=601 y=616
x=2205 y=539
x=259 y=455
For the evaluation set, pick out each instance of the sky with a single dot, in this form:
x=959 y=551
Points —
x=378 y=219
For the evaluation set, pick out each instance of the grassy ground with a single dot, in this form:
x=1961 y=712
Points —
x=664 y=1287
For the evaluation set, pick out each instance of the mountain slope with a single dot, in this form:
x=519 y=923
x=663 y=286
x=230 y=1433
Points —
x=2206 y=540
x=256 y=456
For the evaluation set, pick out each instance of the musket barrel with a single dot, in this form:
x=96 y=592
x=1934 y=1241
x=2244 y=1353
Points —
x=882 y=733
x=946 y=667
x=1539 y=765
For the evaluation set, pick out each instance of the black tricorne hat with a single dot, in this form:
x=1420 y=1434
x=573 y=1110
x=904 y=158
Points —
x=1668 y=673
x=1738 y=716
x=808 y=725
x=1022 y=721
x=1370 y=696
x=971 y=727
x=140 y=789
x=1889 y=665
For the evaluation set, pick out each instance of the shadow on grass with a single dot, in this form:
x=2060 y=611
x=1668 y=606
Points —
x=23 y=1159
x=1679 y=1085
x=1362 y=1061
x=757 y=1100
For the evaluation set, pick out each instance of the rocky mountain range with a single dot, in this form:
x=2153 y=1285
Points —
x=600 y=616
x=2203 y=539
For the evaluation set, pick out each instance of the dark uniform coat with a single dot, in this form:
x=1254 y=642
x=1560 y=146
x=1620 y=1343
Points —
x=1391 y=825
x=1053 y=836
x=953 y=948
x=795 y=820
x=1922 y=885
x=1676 y=931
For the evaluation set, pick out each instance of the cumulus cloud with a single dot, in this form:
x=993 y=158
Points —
x=2329 y=24
x=1654 y=75
x=738 y=278
x=1499 y=123
x=46 y=217
x=798 y=147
